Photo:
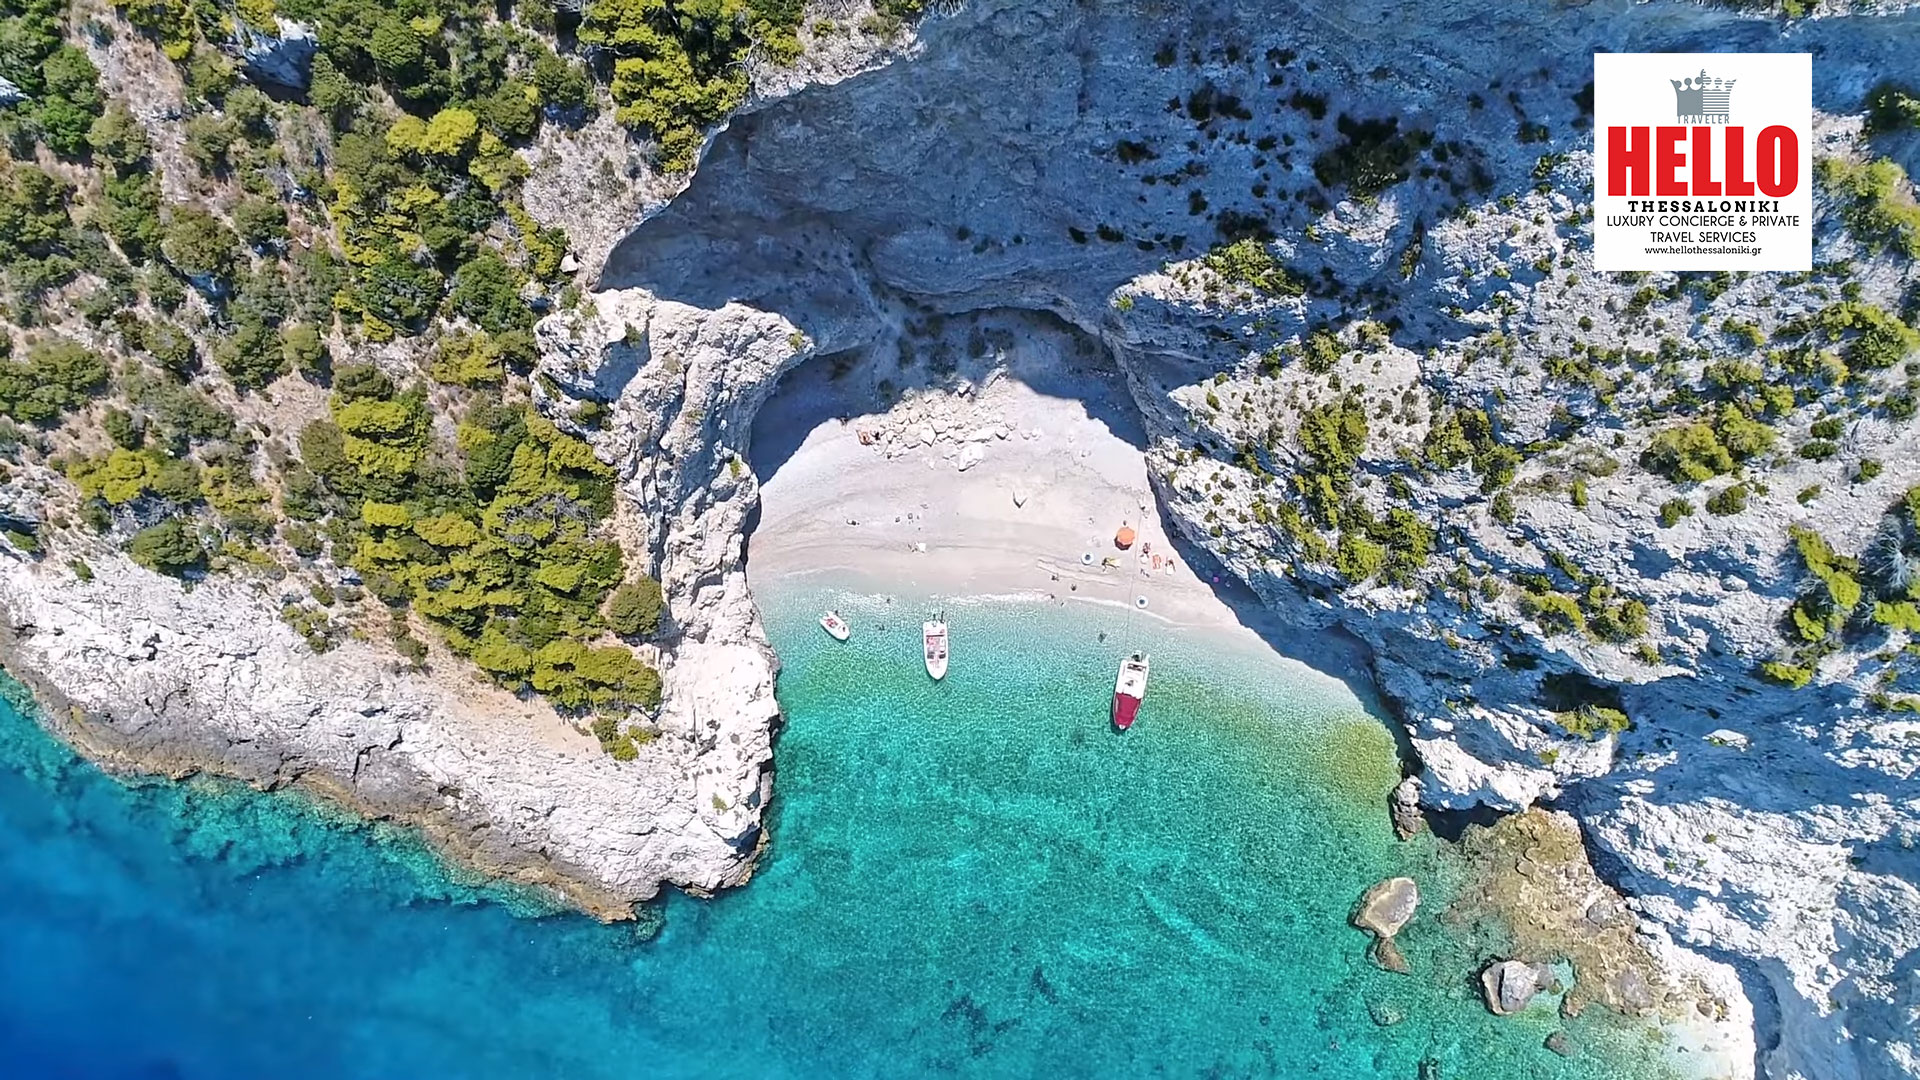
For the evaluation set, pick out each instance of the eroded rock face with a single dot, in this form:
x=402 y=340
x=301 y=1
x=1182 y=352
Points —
x=1387 y=957
x=284 y=58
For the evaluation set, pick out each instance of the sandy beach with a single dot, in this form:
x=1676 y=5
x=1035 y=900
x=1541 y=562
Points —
x=1054 y=469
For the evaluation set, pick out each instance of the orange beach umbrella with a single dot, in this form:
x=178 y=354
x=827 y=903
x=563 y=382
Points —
x=1124 y=538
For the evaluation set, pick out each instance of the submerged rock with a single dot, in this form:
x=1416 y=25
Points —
x=1387 y=906
x=1534 y=877
x=1388 y=957
x=1384 y=1013
x=1559 y=1044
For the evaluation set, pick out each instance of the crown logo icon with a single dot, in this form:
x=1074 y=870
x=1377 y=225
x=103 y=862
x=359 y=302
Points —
x=1702 y=100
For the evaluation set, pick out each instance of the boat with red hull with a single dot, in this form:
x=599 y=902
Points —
x=1129 y=690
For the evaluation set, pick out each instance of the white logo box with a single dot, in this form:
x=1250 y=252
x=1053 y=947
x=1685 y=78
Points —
x=1725 y=127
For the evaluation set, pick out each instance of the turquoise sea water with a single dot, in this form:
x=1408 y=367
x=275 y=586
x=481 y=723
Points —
x=972 y=879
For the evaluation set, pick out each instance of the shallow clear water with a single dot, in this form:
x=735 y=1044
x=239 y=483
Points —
x=975 y=878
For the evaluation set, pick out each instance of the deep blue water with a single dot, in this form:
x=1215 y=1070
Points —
x=970 y=879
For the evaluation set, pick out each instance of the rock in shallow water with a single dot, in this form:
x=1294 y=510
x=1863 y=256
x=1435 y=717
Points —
x=1510 y=985
x=1405 y=809
x=1387 y=906
x=1388 y=957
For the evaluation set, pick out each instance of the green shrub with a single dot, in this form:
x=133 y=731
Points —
x=69 y=101
x=487 y=290
x=1358 y=558
x=1619 y=623
x=1689 y=452
x=1673 y=510
x=118 y=140
x=1874 y=338
x=1592 y=721
x=1728 y=500
x=261 y=222
x=252 y=356
x=1834 y=592
x=200 y=244
x=1899 y=615
x=1557 y=613
x=1250 y=263
x=170 y=548
x=58 y=376
x=1890 y=108
x=209 y=141
x=635 y=608
x=1322 y=351
x=676 y=72
x=33 y=212
x=452 y=133
x=562 y=83
x=1793 y=675
x=303 y=349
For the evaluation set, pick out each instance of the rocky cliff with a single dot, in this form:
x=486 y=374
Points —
x=1550 y=625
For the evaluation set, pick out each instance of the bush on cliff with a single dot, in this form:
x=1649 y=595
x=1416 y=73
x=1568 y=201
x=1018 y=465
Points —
x=170 y=548
x=635 y=608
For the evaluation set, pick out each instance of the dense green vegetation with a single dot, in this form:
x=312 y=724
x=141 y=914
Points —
x=678 y=65
x=1876 y=200
x=55 y=377
x=62 y=85
x=495 y=545
x=1844 y=597
x=382 y=205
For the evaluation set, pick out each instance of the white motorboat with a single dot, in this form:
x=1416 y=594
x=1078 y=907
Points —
x=933 y=642
x=1129 y=690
